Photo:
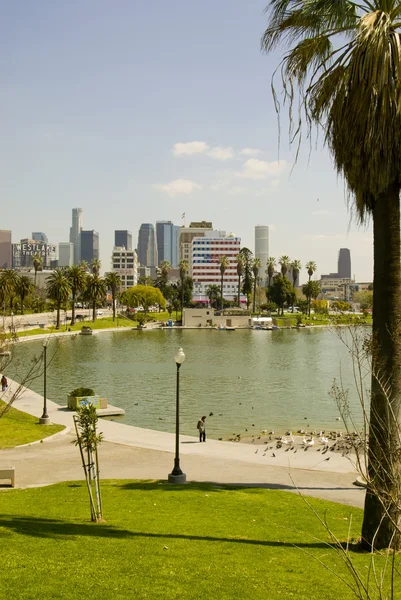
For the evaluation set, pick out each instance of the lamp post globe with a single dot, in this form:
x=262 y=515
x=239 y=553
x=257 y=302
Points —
x=176 y=475
x=44 y=419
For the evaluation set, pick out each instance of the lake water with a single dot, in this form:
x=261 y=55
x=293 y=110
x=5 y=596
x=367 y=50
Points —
x=249 y=379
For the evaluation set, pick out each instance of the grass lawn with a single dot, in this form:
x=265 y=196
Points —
x=18 y=428
x=175 y=542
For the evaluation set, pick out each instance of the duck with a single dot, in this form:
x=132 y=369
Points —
x=309 y=442
x=324 y=440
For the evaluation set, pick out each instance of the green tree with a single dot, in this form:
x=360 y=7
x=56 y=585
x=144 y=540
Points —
x=256 y=264
x=58 y=289
x=344 y=57
x=37 y=261
x=311 y=268
x=270 y=268
x=24 y=287
x=240 y=271
x=213 y=293
x=183 y=270
x=78 y=279
x=162 y=277
x=223 y=265
x=365 y=299
x=281 y=292
x=310 y=290
x=247 y=280
x=96 y=266
x=284 y=262
x=10 y=282
x=145 y=280
x=96 y=291
x=296 y=266
x=113 y=283
x=145 y=296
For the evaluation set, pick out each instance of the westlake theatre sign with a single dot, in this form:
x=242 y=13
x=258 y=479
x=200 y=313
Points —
x=29 y=249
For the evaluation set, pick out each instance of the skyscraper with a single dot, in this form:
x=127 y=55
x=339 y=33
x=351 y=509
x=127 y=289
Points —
x=262 y=247
x=75 y=233
x=123 y=239
x=167 y=236
x=89 y=245
x=65 y=254
x=187 y=234
x=147 y=246
x=344 y=263
x=39 y=236
x=5 y=249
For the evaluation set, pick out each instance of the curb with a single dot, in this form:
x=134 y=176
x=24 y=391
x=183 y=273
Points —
x=46 y=439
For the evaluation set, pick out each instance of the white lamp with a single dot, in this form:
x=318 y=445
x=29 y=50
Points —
x=180 y=357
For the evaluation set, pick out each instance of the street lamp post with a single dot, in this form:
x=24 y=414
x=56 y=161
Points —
x=44 y=419
x=176 y=475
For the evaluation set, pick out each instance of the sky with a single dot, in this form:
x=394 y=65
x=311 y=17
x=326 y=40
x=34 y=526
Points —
x=138 y=111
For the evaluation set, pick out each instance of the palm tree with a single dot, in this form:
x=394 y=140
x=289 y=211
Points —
x=37 y=261
x=58 y=288
x=311 y=268
x=284 y=262
x=84 y=266
x=95 y=266
x=240 y=272
x=271 y=267
x=256 y=264
x=183 y=269
x=113 y=283
x=247 y=277
x=10 y=278
x=296 y=266
x=213 y=293
x=77 y=278
x=24 y=287
x=344 y=58
x=224 y=263
x=96 y=290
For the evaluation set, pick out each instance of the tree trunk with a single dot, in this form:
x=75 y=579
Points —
x=182 y=297
x=382 y=501
x=94 y=311
x=58 y=316
x=221 y=288
x=239 y=291
x=73 y=310
x=114 y=304
x=254 y=295
x=22 y=304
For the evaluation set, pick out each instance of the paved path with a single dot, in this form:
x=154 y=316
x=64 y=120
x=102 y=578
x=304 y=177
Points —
x=135 y=453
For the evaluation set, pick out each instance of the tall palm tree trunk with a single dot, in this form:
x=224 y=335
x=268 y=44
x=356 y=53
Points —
x=94 y=310
x=113 y=298
x=182 y=298
x=73 y=310
x=239 y=291
x=22 y=304
x=221 y=290
x=384 y=459
x=254 y=295
x=58 y=315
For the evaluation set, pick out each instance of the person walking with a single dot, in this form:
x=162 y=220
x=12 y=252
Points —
x=202 y=429
x=4 y=383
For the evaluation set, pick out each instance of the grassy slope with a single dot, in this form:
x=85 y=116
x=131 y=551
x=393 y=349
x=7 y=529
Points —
x=18 y=428
x=162 y=541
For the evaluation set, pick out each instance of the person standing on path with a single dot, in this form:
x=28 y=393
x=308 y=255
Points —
x=202 y=429
x=4 y=383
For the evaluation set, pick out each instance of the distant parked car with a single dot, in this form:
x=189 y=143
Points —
x=99 y=313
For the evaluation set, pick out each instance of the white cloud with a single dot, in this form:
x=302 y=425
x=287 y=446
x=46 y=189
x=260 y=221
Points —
x=179 y=187
x=260 y=169
x=251 y=152
x=220 y=153
x=190 y=148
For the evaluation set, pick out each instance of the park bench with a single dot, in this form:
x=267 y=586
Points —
x=8 y=473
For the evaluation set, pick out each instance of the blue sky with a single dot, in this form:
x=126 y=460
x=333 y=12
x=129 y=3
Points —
x=141 y=110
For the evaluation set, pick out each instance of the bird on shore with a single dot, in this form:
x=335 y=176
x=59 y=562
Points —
x=210 y=414
x=308 y=442
x=273 y=455
x=328 y=458
x=257 y=450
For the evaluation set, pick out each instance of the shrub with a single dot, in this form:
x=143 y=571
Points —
x=82 y=391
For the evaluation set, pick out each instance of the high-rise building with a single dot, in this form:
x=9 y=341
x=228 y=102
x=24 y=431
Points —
x=125 y=264
x=206 y=252
x=262 y=248
x=65 y=254
x=147 y=246
x=123 y=239
x=75 y=233
x=89 y=245
x=344 y=263
x=6 y=260
x=39 y=236
x=24 y=252
x=187 y=234
x=167 y=236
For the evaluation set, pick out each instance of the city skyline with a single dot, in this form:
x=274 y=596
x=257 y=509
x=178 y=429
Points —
x=82 y=135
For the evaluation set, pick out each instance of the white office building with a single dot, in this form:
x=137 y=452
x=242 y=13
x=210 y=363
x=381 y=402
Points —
x=65 y=254
x=205 y=254
x=262 y=248
x=125 y=264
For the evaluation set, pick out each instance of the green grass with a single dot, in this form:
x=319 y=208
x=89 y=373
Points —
x=17 y=427
x=173 y=542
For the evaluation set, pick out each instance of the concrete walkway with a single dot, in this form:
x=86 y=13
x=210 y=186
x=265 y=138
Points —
x=134 y=453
